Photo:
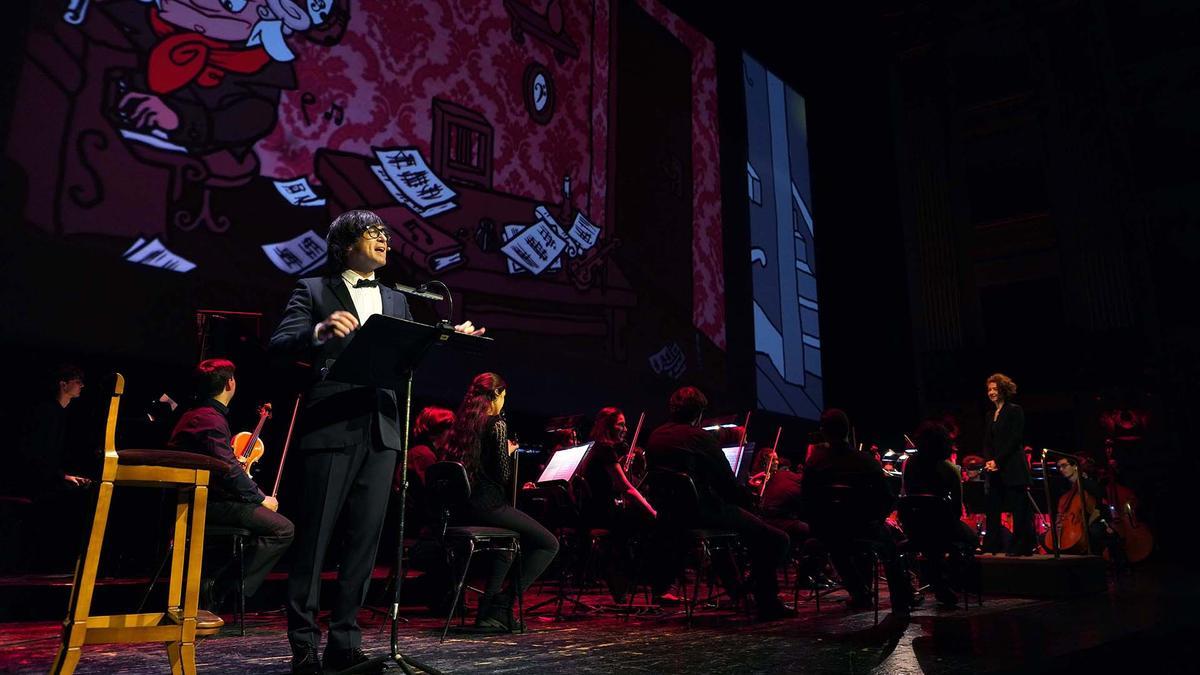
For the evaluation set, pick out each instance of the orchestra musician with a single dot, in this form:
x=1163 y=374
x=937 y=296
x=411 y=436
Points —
x=42 y=471
x=349 y=436
x=234 y=498
x=930 y=471
x=1007 y=470
x=480 y=441
x=1101 y=536
x=837 y=463
x=608 y=486
x=681 y=445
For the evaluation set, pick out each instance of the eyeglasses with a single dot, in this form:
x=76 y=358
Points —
x=376 y=232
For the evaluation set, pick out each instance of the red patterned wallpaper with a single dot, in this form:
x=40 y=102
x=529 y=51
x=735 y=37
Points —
x=396 y=57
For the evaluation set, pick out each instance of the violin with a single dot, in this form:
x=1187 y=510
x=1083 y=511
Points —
x=634 y=454
x=769 y=466
x=248 y=447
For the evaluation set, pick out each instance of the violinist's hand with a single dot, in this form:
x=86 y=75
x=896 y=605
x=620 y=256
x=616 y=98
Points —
x=529 y=485
x=271 y=503
x=467 y=328
x=512 y=446
x=991 y=465
x=76 y=481
x=339 y=324
x=757 y=479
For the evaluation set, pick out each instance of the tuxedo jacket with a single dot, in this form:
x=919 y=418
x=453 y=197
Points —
x=336 y=414
x=1002 y=442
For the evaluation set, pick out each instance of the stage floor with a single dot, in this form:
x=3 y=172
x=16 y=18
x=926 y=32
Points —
x=1147 y=620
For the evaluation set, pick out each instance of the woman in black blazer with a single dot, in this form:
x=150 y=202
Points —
x=1007 y=470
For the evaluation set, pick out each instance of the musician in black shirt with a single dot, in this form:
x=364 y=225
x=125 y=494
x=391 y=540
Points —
x=1101 y=536
x=681 y=445
x=837 y=526
x=930 y=472
x=480 y=441
x=234 y=498
x=610 y=500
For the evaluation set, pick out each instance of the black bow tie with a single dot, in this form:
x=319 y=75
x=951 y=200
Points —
x=366 y=283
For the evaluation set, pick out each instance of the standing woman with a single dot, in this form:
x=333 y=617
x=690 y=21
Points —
x=607 y=482
x=1007 y=470
x=480 y=441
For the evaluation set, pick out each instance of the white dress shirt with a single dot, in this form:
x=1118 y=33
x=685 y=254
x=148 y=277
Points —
x=368 y=301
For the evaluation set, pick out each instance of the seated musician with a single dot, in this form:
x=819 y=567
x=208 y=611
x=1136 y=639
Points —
x=930 y=471
x=838 y=464
x=234 y=499
x=1101 y=536
x=429 y=435
x=481 y=442
x=680 y=445
x=781 y=506
x=611 y=501
x=41 y=470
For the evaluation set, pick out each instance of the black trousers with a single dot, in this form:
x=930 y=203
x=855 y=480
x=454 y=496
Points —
x=841 y=544
x=950 y=536
x=271 y=535
x=1014 y=499
x=538 y=545
x=352 y=484
x=768 y=547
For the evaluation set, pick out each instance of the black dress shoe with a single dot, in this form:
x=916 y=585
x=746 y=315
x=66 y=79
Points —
x=305 y=661
x=337 y=660
x=775 y=612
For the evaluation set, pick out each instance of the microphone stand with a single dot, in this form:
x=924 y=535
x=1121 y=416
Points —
x=1054 y=520
x=406 y=663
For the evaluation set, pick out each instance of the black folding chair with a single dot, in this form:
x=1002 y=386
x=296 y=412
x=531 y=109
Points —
x=447 y=489
x=929 y=522
x=677 y=502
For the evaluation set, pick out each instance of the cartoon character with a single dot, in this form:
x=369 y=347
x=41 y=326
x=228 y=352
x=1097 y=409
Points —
x=210 y=71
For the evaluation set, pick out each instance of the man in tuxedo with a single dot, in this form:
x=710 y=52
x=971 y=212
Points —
x=349 y=436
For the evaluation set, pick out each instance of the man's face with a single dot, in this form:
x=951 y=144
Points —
x=1067 y=471
x=72 y=388
x=227 y=20
x=369 y=252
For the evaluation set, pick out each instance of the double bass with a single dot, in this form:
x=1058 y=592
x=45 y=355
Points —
x=1136 y=539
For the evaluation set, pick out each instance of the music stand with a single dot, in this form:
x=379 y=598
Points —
x=386 y=352
x=562 y=469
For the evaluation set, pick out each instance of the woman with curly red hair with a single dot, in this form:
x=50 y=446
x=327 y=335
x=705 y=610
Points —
x=1007 y=470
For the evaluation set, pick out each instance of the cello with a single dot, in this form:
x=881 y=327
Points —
x=248 y=448
x=1069 y=525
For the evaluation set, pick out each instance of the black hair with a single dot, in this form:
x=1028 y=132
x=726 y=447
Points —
x=344 y=231
x=211 y=376
x=835 y=425
x=686 y=404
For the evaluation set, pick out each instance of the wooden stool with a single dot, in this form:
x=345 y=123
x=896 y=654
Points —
x=186 y=472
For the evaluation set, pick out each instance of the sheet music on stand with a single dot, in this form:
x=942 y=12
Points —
x=564 y=463
x=738 y=460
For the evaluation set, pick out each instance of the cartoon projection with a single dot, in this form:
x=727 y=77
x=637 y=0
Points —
x=209 y=72
x=148 y=105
